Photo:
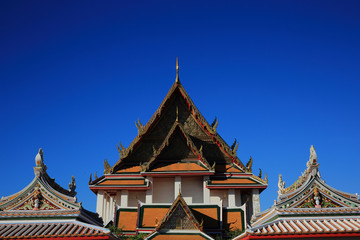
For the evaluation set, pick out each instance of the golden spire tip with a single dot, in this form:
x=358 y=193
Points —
x=177 y=70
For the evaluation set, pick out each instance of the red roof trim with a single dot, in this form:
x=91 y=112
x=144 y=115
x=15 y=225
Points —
x=319 y=235
x=159 y=174
x=235 y=186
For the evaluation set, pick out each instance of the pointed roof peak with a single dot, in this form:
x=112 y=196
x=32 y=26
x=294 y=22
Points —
x=177 y=80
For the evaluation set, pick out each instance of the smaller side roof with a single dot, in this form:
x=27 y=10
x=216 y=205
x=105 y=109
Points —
x=43 y=199
x=50 y=230
x=307 y=208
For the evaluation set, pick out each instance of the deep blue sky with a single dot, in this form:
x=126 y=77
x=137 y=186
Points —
x=279 y=75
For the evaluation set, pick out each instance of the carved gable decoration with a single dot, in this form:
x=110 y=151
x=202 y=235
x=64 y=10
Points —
x=177 y=147
x=179 y=217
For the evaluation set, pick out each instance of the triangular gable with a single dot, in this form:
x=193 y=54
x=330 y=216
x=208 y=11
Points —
x=178 y=146
x=198 y=122
x=179 y=217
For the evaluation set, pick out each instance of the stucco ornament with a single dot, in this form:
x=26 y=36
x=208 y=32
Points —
x=281 y=185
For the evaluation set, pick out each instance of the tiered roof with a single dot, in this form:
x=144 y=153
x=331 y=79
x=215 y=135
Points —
x=308 y=208
x=44 y=210
x=177 y=140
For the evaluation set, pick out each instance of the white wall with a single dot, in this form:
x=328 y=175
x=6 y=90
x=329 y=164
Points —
x=217 y=195
x=192 y=189
x=163 y=190
x=134 y=196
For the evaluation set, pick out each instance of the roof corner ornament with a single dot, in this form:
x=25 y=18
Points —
x=213 y=167
x=154 y=150
x=260 y=173
x=121 y=150
x=201 y=151
x=107 y=168
x=214 y=124
x=72 y=184
x=312 y=164
x=90 y=180
x=249 y=165
x=266 y=178
x=39 y=161
x=281 y=185
x=234 y=147
x=139 y=126
x=313 y=157
x=177 y=80
x=142 y=167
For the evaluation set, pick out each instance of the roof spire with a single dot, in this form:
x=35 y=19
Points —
x=177 y=80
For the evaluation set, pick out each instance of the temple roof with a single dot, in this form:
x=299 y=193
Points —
x=176 y=107
x=44 y=199
x=309 y=206
x=44 y=230
x=177 y=133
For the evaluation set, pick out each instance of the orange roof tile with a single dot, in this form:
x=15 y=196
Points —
x=151 y=214
x=131 y=169
x=180 y=167
x=127 y=220
x=234 y=220
x=232 y=181
x=123 y=182
x=209 y=215
x=178 y=237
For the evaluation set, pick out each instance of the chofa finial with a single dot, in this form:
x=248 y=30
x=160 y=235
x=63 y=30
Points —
x=177 y=80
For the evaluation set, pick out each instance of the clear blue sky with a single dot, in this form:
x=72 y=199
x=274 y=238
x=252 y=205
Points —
x=279 y=75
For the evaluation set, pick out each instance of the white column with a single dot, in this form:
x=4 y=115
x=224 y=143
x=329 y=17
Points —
x=106 y=209
x=111 y=206
x=177 y=186
x=256 y=201
x=231 y=197
x=149 y=192
x=206 y=191
x=99 y=202
x=124 y=198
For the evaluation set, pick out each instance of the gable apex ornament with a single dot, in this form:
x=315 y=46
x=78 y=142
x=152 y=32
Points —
x=40 y=167
x=177 y=80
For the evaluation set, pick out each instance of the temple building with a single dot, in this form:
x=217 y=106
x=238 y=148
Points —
x=44 y=210
x=178 y=158
x=308 y=209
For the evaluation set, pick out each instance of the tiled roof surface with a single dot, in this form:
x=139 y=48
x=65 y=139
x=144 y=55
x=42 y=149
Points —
x=50 y=229
x=131 y=169
x=179 y=237
x=125 y=182
x=233 y=181
x=308 y=226
x=186 y=166
x=127 y=220
x=38 y=214
x=150 y=215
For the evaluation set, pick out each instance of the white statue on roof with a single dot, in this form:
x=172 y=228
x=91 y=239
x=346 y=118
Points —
x=281 y=185
x=313 y=157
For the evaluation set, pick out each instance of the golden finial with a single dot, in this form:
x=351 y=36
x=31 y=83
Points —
x=177 y=80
